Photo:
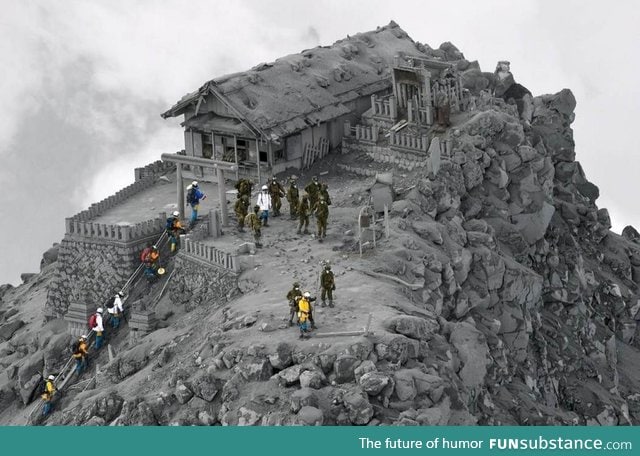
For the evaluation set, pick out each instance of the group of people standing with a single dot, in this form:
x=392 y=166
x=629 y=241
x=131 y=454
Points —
x=315 y=201
x=300 y=303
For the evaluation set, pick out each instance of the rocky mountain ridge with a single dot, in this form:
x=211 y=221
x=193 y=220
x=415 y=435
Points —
x=523 y=309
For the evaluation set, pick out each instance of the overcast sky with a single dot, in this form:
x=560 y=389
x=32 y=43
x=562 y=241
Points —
x=83 y=83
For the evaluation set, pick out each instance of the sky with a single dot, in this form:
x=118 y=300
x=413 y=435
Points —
x=83 y=84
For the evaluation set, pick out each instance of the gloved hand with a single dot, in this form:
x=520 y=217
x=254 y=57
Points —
x=333 y=288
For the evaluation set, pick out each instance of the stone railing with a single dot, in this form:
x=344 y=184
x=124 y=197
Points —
x=422 y=115
x=408 y=141
x=118 y=233
x=145 y=178
x=210 y=254
x=155 y=169
x=384 y=106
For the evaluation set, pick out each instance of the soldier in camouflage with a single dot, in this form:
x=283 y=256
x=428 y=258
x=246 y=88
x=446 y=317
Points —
x=303 y=214
x=253 y=222
x=321 y=210
x=241 y=207
x=293 y=197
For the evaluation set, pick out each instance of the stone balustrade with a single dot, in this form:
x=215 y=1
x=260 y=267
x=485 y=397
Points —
x=408 y=141
x=209 y=254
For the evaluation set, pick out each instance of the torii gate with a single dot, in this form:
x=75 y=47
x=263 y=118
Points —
x=219 y=166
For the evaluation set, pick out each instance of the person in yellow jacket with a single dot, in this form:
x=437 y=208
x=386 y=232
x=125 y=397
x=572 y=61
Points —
x=47 y=395
x=80 y=352
x=304 y=309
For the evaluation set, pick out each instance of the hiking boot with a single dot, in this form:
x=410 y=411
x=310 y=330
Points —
x=331 y=304
x=301 y=336
x=323 y=304
x=265 y=223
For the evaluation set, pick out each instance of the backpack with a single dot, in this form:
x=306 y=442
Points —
x=75 y=347
x=169 y=225
x=93 y=321
x=191 y=196
x=111 y=302
x=145 y=253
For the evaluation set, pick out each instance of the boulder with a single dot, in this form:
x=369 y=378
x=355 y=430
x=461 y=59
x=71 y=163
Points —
x=534 y=225
x=363 y=368
x=303 y=397
x=405 y=385
x=29 y=375
x=282 y=358
x=290 y=375
x=206 y=386
x=260 y=370
x=420 y=328
x=310 y=416
x=374 y=382
x=437 y=415
x=312 y=379
x=182 y=392
x=50 y=256
x=8 y=330
x=344 y=368
x=472 y=351
x=358 y=408
x=248 y=417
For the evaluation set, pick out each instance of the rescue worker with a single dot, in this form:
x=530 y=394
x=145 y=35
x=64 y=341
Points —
x=264 y=203
x=293 y=197
x=304 y=308
x=47 y=395
x=321 y=210
x=313 y=190
x=303 y=214
x=241 y=207
x=244 y=187
x=328 y=285
x=253 y=223
x=174 y=230
x=324 y=192
x=80 y=354
x=116 y=311
x=276 y=191
x=194 y=196
x=293 y=296
x=150 y=260
x=98 y=328
x=443 y=109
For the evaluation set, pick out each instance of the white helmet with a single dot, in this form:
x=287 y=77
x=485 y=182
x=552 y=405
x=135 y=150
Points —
x=306 y=294
x=194 y=183
x=51 y=377
x=176 y=214
x=99 y=310
x=189 y=187
x=83 y=337
x=264 y=187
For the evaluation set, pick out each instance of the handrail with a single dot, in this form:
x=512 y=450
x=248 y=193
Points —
x=38 y=405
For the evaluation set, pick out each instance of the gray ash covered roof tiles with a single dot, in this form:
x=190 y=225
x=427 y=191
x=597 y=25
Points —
x=303 y=89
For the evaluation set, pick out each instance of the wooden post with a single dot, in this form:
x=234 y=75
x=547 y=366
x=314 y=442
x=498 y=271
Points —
x=258 y=162
x=222 y=196
x=235 y=151
x=180 y=186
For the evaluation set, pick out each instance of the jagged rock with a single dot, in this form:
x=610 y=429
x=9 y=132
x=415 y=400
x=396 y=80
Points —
x=310 y=416
x=132 y=361
x=27 y=276
x=55 y=351
x=437 y=415
x=374 y=382
x=473 y=352
x=257 y=371
x=182 y=393
x=8 y=330
x=29 y=375
x=106 y=407
x=344 y=368
x=358 y=408
x=137 y=413
x=428 y=231
x=397 y=348
x=281 y=359
x=312 y=379
x=248 y=417
x=405 y=385
x=363 y=368
x=303 y=397
x=629 y=233
x=206 y=386
x=420 y=328
x=534 y=225
x=290 y=375
x=95 y=421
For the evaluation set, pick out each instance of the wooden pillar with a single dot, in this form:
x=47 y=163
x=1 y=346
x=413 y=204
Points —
x=180 y=188
x=235 y=151
x=258 y=162
x=222 y=196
